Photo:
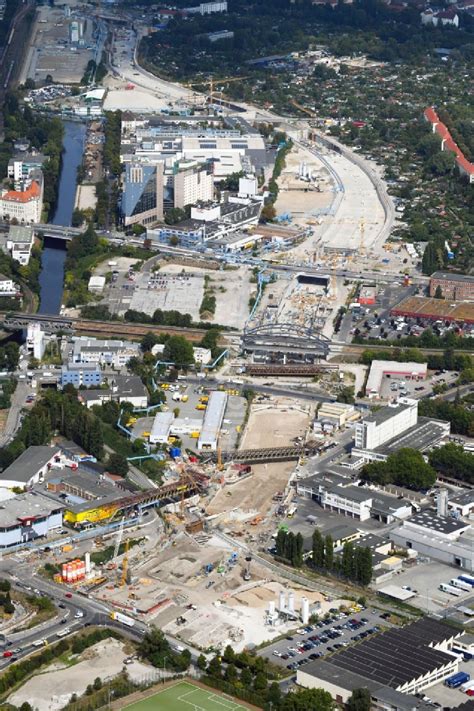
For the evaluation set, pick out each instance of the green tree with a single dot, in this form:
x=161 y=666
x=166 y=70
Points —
x=438 y=292
x=201 y=662
x=178 y=351
x=246 y=677
x=229 y=655
x=329 y=552
x=214 y=668
x=230 y=674
x=260 y=682
x=308 y=700
x=359 y=700
x=280 y=543
x=318 y=549
x=149 y=340
x=347 y=563
x=97 y=683
x=117 y=464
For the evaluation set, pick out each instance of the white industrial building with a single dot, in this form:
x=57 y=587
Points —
x=213 y=418
x=405 y=660
x=445 y=539
x=27 y=517
x=340 y=496
x=95 y=350
x=161 y=427
x=385 y=424
x=386 y=368
x=166 y=425
x=29 y=468
x=203 y=356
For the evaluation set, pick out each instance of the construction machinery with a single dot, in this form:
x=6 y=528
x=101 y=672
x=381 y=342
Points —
x=123 y=577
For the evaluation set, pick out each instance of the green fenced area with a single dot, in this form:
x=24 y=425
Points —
x=185 y=696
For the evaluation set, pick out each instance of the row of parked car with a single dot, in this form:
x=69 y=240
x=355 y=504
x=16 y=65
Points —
x=318 y=640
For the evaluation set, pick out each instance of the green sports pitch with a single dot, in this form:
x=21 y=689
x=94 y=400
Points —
x=184 y=696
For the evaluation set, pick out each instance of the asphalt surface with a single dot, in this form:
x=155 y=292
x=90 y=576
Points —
x=291 y=646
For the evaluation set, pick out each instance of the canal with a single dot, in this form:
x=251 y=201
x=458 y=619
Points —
x=51 y=277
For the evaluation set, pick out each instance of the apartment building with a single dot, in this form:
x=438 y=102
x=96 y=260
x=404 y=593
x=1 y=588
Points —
x=192 y=183
x=24 y=205
x=385 y=424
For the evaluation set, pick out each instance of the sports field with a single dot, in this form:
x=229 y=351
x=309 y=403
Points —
x=184 y=696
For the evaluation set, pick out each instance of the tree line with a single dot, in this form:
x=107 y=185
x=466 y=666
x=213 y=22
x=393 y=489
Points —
x=56 y=412
x=406 y=467
x=354 y=563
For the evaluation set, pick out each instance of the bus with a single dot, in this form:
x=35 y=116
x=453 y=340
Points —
x=461 y=584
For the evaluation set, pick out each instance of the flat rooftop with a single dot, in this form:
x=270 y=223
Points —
x=435 y=309
x=213 y=417
x=386 y=413
x=422 y=436
x=380 y=367
x=439 y=524
x=450 y=276
x=31 y=505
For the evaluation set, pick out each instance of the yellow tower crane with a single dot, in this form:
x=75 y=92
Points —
x=123 y=578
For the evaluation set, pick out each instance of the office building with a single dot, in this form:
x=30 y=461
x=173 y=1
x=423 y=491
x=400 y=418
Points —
x=78 y=374
x=192 y=183
x=202 y=356
x=112 y=353
x=20 y=243
x=142 y=199
x=27 y=517
x=457 y=287
x=385 y=424
x=35 y=340
x=23 y=164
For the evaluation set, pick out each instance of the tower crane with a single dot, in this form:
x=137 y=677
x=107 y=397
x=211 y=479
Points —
x=119 y=539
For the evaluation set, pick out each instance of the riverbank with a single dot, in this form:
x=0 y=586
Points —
x=51 y=278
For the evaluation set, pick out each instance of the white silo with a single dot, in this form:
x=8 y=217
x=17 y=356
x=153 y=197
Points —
x=282 y=601
x=87 y=561
x=291 y=602
x=271 y=608
x=442 y=503
x=304 y=610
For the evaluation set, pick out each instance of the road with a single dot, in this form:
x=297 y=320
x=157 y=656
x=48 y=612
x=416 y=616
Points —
x=94 y=613
x=14 y=414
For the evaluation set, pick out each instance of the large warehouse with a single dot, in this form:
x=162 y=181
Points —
x=213 y=420
x=405 y=659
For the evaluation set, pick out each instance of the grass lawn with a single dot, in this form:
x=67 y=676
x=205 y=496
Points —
x=184 y=696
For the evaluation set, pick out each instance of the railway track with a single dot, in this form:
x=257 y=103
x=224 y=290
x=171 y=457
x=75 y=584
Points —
x=269 y=454
x=137 y=330
x=289 y=370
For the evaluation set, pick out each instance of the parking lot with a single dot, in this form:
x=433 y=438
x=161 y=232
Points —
x=325 y=637
x=425 y=579
x=233 y=416
x=443 y=696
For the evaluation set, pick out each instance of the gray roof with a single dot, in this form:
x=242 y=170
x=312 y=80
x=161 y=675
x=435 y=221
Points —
x=354 y=493
x=28 y=463
x=20 y=233
x=398 y=700
x=24 y=506
x=399 y=655
x=371 y=541
x=465 y=497
x=127 y=385
x=386 y=413
x=422 y=437
x=449 y=276
x=439 y=524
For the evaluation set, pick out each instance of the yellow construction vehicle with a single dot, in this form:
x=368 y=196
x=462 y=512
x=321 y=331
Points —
x=146 y=434
x=201 y=406
x=204 y=399
x=184 y=398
